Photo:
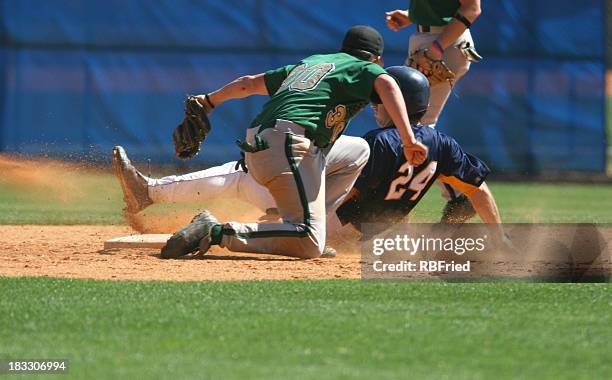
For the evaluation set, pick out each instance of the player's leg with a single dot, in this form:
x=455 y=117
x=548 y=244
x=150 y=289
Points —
x=224 y=181
x=201 y=185
x=293 y=170
x=457 y=61
x=458 y=207
x=343 y=164
x=219 y=182
x=255 y=194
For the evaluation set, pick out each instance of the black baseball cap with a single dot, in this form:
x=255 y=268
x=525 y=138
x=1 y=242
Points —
x=364 y=38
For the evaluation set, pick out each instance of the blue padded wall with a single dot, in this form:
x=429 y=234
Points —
x=78 y=77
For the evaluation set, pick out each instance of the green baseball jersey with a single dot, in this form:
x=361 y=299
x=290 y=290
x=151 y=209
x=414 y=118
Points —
x=432 y=12
x=322 y=93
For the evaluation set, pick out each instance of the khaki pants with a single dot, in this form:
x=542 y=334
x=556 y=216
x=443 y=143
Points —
x=458 y=62
x=454 y=58
x=304 y=181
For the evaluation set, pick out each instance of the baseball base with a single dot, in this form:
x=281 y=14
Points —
x=153 y=241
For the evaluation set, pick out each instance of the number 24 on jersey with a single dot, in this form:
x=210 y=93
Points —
x=410 y=181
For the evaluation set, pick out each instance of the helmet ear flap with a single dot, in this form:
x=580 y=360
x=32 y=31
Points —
x=416 y=117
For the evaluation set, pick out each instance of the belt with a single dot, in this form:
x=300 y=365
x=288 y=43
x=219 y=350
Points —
x=289 y=126
x=430 y=29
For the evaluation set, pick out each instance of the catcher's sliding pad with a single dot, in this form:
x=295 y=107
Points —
x=153 y=241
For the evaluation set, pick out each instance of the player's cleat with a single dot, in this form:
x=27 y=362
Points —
x=133 y=183
x=328 y=253
x=458 y=210
x=195 y=236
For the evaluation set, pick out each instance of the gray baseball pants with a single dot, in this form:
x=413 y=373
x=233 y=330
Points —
x=304 y=181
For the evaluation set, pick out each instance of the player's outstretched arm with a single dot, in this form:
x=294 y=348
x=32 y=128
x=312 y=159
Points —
x=389 y=92
x=240 y=88
x=484 y=204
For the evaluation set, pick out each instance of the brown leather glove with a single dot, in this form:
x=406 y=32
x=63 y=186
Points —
x=192 y=131
x=436 y=71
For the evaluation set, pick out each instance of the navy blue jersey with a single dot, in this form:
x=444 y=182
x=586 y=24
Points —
x=389 y=187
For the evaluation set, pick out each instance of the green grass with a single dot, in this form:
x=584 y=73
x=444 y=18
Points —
x=609 y=133
x=309 y=329
x=95 y=198
x=306 y=329
x=81 y=197
x=537 y=203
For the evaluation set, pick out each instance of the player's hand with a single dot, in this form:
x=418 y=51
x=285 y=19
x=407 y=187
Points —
x=205 y=103
x=423 y=61
x=415 y=153
x=397 y=19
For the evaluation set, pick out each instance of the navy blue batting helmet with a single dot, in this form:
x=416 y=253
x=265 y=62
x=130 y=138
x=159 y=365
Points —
x=415 y=90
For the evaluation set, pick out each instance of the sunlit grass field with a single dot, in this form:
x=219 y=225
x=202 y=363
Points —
x=347 y=329
x=94 y=197
x=305 y=329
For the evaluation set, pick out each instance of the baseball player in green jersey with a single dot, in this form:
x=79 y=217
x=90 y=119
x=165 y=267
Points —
x=442 y=35
x=289 y=142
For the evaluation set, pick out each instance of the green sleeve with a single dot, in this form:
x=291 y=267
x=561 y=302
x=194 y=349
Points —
x=274 y=78
x=368 y=75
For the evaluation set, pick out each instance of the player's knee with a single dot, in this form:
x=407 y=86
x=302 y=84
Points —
x=362 y=152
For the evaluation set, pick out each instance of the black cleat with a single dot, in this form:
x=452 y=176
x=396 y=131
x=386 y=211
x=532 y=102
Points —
x=133 y=183
x=458 y=210
x=193 y=237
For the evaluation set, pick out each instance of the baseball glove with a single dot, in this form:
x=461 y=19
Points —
x=192 y=131
x=436 y=71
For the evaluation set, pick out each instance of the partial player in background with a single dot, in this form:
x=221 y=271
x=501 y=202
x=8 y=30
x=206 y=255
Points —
x=389 y=187
x=288 y=144
x=442 y=48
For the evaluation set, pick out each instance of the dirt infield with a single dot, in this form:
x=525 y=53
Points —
x=77 y=252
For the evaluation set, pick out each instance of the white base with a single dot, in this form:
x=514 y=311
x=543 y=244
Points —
x=153 y=241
